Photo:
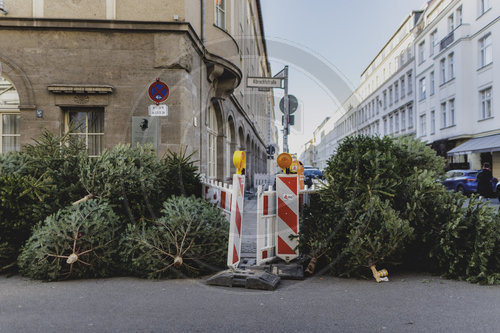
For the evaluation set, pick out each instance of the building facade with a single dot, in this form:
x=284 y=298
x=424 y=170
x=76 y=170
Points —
x=459 y=68
x=85 y=67
x=435 y=79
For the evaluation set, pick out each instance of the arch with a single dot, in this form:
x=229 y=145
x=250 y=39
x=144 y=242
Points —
x=241 y=138
x=216 y=131
x=21 y=81
x=231 y=146
x=10 y=117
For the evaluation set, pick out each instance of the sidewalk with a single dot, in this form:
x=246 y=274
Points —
x=249 y=239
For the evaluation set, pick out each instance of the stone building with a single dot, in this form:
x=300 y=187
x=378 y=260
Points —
x=86 y=67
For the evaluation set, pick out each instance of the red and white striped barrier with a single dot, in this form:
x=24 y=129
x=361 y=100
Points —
x=267 y=222
x=266 y=225
x=287 y=203
x=236 y=222
x=218 y=194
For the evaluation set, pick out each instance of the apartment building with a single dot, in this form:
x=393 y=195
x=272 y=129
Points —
x=435 y=79
x=383 y=104
x=91 y=63
x=460 y=78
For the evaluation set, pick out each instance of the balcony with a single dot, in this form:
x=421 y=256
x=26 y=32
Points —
x=445 y=42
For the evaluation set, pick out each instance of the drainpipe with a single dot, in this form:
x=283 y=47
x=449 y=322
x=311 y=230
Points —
x=200 y=119
x=203 y=20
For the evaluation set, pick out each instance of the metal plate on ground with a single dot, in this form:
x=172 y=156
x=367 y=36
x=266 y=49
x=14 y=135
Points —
x=288 y=271
x=245 y=278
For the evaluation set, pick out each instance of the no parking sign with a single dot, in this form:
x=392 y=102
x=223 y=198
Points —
x=158 y=91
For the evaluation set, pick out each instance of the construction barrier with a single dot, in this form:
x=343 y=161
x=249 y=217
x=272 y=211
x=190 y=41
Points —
x=267 y=222
x=266 y=225
x=236 y=222
x=262 y=179
x=219 y=194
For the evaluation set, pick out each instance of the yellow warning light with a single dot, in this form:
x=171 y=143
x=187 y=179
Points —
x=239 y=161
x=284 y=161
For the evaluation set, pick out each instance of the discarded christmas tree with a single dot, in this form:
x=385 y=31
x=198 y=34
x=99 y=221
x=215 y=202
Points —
x=76 y=242
x=189 y=239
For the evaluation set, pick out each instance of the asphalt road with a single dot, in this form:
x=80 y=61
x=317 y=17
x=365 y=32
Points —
x=407 y=303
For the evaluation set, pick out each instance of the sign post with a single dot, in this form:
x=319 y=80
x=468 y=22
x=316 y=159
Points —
x=275 y=82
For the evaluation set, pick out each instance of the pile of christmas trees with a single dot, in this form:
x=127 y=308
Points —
x=66 y=215
x=383 y=206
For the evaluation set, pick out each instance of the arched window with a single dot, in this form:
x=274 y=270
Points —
x=229 y=157
x=10 y=117
x=212 y=143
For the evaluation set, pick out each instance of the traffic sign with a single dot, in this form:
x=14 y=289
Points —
x=293 y=103
x=263 y=82
x=158 y=91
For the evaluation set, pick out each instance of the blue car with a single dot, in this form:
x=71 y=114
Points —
x=464 y=181
x=310 y=174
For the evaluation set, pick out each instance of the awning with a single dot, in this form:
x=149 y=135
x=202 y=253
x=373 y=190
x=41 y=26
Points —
x=483 y=144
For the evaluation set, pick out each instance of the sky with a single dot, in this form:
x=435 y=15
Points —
x=327 y=44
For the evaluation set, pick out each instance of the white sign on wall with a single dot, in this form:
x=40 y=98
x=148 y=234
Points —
x=158 y=110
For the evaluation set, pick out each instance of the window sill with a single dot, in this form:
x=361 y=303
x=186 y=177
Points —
x=483 y=13
x=445 y=83
x=484 y=119
x=443 y=128
x=483 y=68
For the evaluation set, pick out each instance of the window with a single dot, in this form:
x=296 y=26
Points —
x=212 y=143
x=484 y=5
x=87 y=125
x=377 y=103
x=385 y=99
x=403 y=87
x=410 y=86
x=423 y=125
x=421 y=88
x=485 y=97
x=451 y=23
x=385 y=126
x=451 y=107
x=9 y=132
x=391 y=124
x=410 y=116
x=442 y=65
x=403 y=120
x=396 y=121
x=220 y=13
x=432 y=83
x=443 y=115
x=451 y=68
x=485 y=51
x=459 y=16
x=10 y=118
x=396 y=91
x=421 y=53
x=432 y=42
x=433 y=122
x=390 y=95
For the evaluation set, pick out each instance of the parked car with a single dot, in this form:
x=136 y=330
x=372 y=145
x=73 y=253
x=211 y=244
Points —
x=310 y=175
x=465 y=181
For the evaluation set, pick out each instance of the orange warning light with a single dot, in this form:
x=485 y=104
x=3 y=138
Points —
x=284 y=161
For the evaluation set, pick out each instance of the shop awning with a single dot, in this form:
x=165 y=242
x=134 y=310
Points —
x=483 y=144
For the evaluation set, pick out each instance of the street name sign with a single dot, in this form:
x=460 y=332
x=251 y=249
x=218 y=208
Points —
x=264 y=82
x=158 y=110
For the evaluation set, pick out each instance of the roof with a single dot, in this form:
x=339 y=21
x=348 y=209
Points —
x=483 y=144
